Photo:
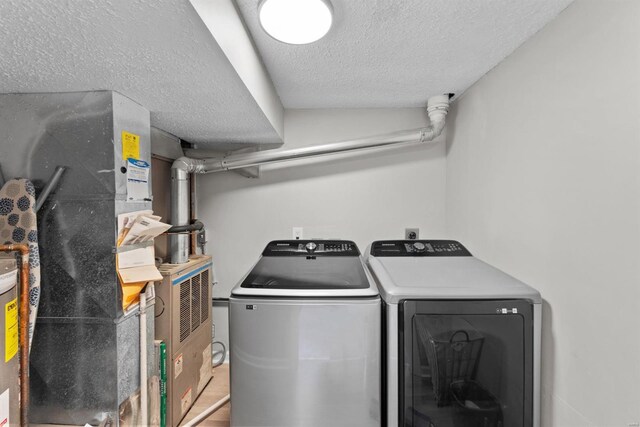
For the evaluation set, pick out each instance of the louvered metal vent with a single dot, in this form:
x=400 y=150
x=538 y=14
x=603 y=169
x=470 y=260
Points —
x=195 y=302
x=205 y=300
x=185 y=312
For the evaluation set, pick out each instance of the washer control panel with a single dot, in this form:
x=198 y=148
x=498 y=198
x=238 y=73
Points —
x=408 y=248
x=311 y=247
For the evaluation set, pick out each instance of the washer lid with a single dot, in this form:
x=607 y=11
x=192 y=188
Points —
x=444 y=277
x=300 y=269
x=307 y=273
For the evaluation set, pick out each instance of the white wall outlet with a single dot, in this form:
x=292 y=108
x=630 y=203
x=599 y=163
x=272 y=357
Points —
x=297 y=233
x=411 y=233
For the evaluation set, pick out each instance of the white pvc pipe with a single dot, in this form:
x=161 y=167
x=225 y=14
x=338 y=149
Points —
x=273 y=156
x=207 y=412
x=144 y=400
x=437 y=109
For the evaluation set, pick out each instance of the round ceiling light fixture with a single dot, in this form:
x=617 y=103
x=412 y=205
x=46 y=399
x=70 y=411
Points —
x=296 y=21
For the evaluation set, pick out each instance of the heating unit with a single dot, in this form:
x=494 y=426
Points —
x=183 y=322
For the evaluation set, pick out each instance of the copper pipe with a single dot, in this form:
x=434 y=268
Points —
x=23 y=328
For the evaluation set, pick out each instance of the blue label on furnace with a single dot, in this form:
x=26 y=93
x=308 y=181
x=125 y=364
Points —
x=138 y=163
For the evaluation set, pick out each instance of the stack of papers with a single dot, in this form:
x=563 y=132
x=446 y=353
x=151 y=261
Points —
x=136 y=255
x=141 y=228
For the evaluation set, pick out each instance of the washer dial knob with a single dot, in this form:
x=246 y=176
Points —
x=419 y=247
x=311 y=247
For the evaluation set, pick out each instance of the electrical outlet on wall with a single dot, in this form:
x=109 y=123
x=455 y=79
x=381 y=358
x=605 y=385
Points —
x=411 y=233
x=297 y=233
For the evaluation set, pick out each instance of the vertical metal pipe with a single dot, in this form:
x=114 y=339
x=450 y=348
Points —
x=23 y=328
x=53 y=183
x=179 y=243
x=193 y=211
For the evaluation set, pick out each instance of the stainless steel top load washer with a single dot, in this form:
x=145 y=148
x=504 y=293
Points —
x=305 y=339
x=462 y=338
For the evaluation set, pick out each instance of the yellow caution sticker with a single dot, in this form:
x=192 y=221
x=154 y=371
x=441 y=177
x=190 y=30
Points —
x=10 y=329
x=130 y=146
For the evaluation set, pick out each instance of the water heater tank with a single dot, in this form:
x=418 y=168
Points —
x=9 y=370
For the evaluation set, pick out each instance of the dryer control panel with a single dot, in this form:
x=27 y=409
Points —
x=409 y=248
x=311 y=247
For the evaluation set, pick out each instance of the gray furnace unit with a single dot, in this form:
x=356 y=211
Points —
x=85 y=351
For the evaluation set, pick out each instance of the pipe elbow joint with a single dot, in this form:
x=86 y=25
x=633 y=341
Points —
x=189 y=165
x=437 y=109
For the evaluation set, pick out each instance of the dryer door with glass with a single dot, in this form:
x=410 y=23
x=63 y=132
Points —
x=466 y=363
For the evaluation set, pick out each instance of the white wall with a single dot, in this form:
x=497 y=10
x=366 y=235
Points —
x=361 y=197
x=543 y=174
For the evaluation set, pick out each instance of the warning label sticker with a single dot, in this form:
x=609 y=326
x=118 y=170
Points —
x=177 y=366
x=10 y=329
x=130 y=146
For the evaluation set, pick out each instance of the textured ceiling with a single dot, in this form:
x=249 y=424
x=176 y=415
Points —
x=157 y=52
x=397 y=53
x=380 y=53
